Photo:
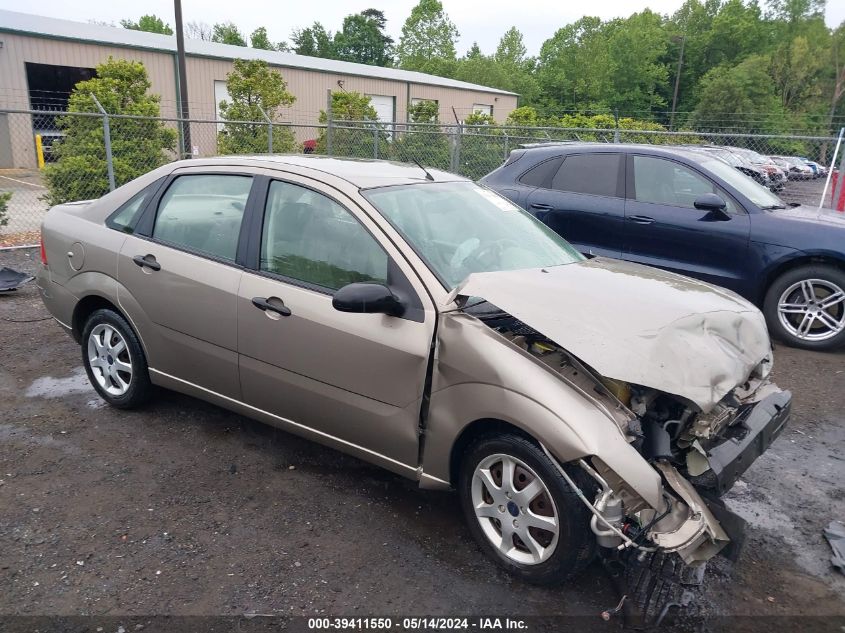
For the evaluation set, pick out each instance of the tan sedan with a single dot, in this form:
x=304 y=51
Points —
x=426 y=324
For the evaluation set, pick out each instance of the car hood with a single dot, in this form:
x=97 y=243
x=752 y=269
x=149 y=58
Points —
x=636 y=324
x=825 y=217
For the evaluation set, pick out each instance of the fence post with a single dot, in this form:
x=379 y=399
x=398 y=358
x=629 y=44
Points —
x=456 y=150
x=375 y=140
x=269 y=130
x=329 y=118
x=616 y=123
x=107 y=139
x=507 y=144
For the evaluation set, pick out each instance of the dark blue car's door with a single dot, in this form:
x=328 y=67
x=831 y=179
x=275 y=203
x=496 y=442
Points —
x=664 y=229
x=584 y=201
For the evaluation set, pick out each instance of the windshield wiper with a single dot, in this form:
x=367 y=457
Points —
x=772 y=207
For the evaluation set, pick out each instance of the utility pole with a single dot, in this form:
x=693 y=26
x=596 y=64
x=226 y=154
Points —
x=183 y=82
x=677 y=81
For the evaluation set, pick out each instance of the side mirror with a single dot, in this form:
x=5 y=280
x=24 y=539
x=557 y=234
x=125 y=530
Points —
x=367 y=298
x=713 y=204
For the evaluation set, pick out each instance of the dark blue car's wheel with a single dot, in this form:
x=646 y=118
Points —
x=805 y=307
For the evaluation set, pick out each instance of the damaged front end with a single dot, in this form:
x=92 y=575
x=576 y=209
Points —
x=698 y=449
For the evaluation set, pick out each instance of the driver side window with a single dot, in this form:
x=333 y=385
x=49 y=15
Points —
x=665 y=182
x=311 y=238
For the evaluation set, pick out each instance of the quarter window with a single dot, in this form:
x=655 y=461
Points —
x=592 y=174
x=541 y=175
x=311 y=238
x=203 y=213
x=126 y=216
x=661 y=181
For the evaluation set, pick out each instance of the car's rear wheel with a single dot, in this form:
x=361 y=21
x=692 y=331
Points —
x=805 y=307
x=522 y=512
x=114 y=360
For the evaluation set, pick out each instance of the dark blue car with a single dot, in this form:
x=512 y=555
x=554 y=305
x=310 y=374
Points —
x=694 y=214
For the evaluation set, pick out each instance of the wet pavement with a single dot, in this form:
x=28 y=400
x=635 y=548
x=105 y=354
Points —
x=183 y=508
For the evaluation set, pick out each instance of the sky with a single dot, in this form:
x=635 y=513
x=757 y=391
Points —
x=482 y=21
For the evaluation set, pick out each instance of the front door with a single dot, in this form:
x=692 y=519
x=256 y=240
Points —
x=181 y=281
x=354 y=380
x=664 y=229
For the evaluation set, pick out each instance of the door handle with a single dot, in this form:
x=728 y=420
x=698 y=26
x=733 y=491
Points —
x=262 y=304
x=641 y=219
x=541 y=207
x=142 y=261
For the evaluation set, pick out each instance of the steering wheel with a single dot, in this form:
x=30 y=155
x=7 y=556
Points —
x=472 y=250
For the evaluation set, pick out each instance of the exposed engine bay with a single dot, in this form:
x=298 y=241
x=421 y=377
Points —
x=699 y=454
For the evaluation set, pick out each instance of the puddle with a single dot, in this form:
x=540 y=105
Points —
x=49 y=387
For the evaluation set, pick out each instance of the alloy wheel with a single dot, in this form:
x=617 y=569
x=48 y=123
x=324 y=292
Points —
x=812 y=309
x=515 y=509
x=109 y=359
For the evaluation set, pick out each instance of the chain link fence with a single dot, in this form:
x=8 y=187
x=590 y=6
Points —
x=50 y=157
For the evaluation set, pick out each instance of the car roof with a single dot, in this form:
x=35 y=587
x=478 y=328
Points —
x=360 y=172
x=554 y=149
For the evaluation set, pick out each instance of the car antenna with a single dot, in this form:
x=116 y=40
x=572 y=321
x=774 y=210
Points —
x=428 y=176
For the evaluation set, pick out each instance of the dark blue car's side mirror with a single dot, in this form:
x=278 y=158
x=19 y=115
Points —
x=714 y=205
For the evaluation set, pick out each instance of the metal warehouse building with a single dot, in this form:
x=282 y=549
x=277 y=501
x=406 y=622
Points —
x=42 y=58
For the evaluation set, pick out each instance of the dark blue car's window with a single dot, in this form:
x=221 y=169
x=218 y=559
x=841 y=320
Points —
x=542 y=174
x=592 y=174
x=665 y=182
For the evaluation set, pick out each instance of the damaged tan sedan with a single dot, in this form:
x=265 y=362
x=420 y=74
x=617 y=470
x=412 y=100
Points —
x=424 y=323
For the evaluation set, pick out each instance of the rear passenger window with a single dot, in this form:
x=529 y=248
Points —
x=593 y=174
x=203 y=213
x=541 y=175
x=125 y=218
x=311 y=238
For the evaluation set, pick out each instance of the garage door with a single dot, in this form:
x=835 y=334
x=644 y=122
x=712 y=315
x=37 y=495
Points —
x=383 y=106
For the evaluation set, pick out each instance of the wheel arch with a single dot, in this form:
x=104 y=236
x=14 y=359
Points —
x=478 y=429
x=85 y=308
x=802 y=259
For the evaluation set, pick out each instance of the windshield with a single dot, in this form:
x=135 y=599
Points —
x=757 y=194
x=460 y=228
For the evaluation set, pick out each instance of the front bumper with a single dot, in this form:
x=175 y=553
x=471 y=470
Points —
x=747 y=440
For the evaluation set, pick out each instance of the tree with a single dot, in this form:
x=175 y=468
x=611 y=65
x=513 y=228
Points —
x=260 y=39
x=199 y=31
x=428 y=40
x=138 y=145
x=512 y=57
x=227 y=33
x=255 y=90
x=5 y=196
x=736 y=95
x=362 y=39
x=314 y=41
x=422 y=141
x=148 y=23
x=355 y=139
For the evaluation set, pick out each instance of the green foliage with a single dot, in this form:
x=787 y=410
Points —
x=314 y=41
x=362 y=39
x=255 y=89
x=428 y=40
x=425 y=143
x=148 y=23
x=227 y=33
x=138 y=146
x=5 y=196
x=260 y=39
x=363 y=138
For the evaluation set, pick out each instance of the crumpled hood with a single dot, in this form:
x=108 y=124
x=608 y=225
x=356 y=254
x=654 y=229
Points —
x=636 y=324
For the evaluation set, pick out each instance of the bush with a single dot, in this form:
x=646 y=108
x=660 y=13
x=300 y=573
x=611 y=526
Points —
x=5 y=196
x=427 y=144
x=254 y=87
x=138 y=145
x=364 y=138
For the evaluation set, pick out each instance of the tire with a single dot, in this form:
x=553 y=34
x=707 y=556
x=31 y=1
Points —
x=789 y=304
x=118 y=372
x=563 y=555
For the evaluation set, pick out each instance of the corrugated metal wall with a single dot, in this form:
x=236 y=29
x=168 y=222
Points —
x=309 y=87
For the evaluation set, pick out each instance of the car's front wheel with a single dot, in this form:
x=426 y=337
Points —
x=805 y=307
x=522 y=512
x=114 y=360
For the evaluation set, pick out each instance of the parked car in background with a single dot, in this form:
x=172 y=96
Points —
x=428 y=325
x=738 y=162
x=690 y=213
x=796 y=168
x=818 y=169
x=777 y=176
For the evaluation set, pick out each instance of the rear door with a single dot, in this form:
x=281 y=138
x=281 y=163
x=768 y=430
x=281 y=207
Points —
x=584 y=201
x=352 y=380
x=664 y=229
x=179 y=277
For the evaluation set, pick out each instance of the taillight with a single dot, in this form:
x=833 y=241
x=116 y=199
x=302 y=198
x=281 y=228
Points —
x=43 y=252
